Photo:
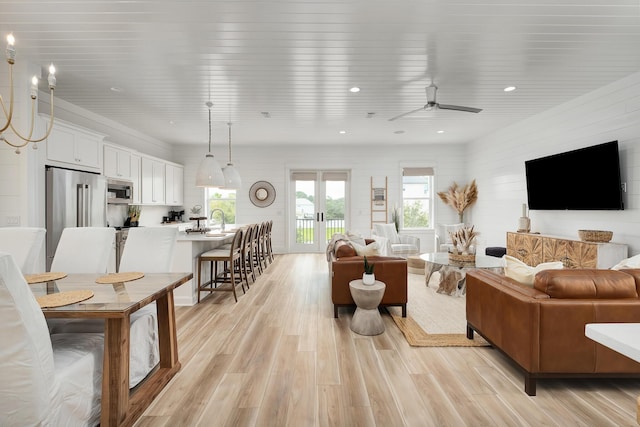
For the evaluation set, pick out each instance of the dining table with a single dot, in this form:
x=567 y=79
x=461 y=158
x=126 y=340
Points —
x=115 y=302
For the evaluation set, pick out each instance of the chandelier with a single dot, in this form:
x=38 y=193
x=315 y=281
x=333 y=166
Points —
x=26 y=139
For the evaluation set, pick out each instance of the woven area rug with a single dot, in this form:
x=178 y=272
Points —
x=433 y=319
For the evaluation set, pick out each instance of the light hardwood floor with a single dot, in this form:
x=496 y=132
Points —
x=279 y=358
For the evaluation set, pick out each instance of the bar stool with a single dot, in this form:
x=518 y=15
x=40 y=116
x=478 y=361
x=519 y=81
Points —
x=229 y=257
x=269 y=242
x=262 y=244
x=246 y=264
x=255 y=249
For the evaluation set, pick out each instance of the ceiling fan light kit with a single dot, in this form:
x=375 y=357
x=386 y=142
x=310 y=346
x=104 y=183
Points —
x=209 y=173
x=432 y=105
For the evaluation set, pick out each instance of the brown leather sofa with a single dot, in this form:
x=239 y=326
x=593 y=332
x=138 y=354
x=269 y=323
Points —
x=542 y=329
x=345 y=266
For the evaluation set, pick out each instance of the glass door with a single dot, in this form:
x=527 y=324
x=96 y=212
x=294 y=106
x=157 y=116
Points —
x=319 y=208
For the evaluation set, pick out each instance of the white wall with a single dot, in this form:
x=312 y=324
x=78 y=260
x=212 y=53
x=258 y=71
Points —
x=609 y=113
x=273 y=163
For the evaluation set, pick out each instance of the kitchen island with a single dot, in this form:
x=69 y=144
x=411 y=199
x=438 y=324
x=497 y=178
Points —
x=189 y=246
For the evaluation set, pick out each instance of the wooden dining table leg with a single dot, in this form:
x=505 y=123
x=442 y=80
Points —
x=115 y=375
x=167 y=335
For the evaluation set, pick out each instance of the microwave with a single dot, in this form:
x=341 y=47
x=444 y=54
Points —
x=119 y=191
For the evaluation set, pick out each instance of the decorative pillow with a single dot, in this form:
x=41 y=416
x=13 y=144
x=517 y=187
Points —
x=451 y=228
x=370 y=250
x=382 y=244
x=633 y=262
x=345 y=249
x=525 y=274
x=355 y=238
x=387 y=230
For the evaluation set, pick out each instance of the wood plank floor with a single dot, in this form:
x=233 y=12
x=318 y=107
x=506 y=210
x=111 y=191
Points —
x=279 y=358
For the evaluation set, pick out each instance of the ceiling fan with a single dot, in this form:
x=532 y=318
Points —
x=433 y=105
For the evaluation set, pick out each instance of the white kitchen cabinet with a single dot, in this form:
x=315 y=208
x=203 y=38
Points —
x=71 y=146
x=117 y=162
x=135 y=179
x=152 y=174
x=174 y=184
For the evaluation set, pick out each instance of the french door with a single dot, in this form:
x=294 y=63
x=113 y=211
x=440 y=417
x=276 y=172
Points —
x=319 y=208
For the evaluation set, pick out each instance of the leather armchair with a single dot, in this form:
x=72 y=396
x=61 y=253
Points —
x=390 y=270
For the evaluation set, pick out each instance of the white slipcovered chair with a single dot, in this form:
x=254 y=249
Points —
x=25 y=245
x=46 y=380
x=443 y=236
x=149 y=249
x=84 y=250
x=401 y=245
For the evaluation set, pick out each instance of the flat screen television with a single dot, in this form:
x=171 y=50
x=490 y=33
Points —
x=583 y=179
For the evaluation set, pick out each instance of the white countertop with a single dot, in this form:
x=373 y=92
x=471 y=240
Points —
x=621 y=337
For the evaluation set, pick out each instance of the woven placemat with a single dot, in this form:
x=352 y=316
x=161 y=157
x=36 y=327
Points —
x=63 y=298
x=119 y=277
x=44 y=277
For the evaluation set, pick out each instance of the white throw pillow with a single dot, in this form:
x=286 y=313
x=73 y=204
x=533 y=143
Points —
x=525 y=274
x=633 y=262
x=387 y=230
x=382 y=244
x=370 y=250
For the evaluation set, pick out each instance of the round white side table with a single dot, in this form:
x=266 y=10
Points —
x=367 y=320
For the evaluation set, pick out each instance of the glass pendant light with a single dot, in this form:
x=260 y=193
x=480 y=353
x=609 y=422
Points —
x=209 y=173
x=232 y=179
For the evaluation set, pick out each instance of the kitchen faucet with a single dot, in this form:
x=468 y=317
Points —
x=221 y=213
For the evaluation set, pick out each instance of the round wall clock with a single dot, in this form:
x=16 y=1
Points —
x=262 y=194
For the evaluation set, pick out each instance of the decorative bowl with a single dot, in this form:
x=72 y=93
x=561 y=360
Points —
x=600 y=236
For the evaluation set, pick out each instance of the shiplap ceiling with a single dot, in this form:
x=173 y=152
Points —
x=297 y=59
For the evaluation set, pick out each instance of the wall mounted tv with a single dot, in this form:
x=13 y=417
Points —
x=583 y=179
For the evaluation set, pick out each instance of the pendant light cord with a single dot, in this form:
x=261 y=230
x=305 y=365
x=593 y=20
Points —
x=229 y=142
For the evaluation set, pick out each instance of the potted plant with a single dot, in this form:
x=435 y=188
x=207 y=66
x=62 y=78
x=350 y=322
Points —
x=368 y=278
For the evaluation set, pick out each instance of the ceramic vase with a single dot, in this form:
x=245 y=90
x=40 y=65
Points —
x=368 y=279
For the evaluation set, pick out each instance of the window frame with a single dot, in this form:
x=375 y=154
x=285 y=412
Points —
x=207 y=211
x=426 y=171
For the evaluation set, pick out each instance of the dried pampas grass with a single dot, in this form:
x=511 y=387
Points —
x=460 y=198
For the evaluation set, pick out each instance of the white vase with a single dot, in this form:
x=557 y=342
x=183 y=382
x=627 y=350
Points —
x=368 y=279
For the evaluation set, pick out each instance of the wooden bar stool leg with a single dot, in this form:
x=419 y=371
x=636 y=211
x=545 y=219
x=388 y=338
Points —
x=199 y=276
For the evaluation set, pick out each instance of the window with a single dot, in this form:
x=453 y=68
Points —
x=417 y=198
x=219 y=198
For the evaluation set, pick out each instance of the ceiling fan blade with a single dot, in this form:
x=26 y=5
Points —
x=459 y=108
x=406 y=114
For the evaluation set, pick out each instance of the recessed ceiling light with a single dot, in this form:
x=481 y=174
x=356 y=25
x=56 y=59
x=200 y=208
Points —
x=398 y=132
x=116 y=89
x=354 y=89
x=342 y=132
x=440 y=131
x=266 y=114
x=171 y=122
x=509 y=88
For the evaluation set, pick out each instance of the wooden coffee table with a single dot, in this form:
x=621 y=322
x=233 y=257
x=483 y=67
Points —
x=367 y=320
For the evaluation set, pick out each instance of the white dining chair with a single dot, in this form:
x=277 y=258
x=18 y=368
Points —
x=25 y=245
x=45 y=380
x=84 y=250
x=149 y=249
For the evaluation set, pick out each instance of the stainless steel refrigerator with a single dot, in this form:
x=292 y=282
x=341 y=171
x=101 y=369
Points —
x=74 y=199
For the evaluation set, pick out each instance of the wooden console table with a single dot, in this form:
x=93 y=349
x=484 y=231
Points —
x=533 y=249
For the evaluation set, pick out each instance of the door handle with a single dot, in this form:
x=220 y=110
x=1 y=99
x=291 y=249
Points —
x=322 y=217
x=80 y=205
x=317 y=216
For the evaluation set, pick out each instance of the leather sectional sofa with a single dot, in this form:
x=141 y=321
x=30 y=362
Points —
x=345 y=265
x=542 y=329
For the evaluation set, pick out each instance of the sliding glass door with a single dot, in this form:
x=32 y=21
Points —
x=318 y=208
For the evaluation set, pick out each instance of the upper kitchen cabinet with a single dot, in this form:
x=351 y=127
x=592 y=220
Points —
x=174 y=183
x=117 y=162
x=152 y=173
x=135 y=178
x=74 y=147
